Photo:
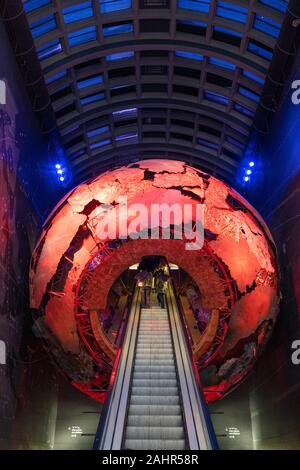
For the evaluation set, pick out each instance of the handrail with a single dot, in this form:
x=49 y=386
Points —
x=110 y=429
x=201 y=435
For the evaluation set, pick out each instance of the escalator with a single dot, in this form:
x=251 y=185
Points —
x=155 y=402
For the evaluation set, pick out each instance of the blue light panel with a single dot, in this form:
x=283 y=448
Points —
x=98 y=131
x=125 y=113
x=120 y=55
x=244 y=110
x=248 y=94
x=107 y=6
x=49 y=49
x=216 y=97
x=193 y=23
x=122 y=28
x=259 y=50
x=55 y=77
x=208 y=144
x=96 y=145
x=254 y=77
x=95 y=80
x=280 y=5
x=221 y=63
x=266 y=25
x=230 y=32
x=30 y=5
x=82 y=36
x=129 y=135
x=189 y=55
x=232 y=12
x=92 y=98
x=43 y=26
x=78 y=12
x=234 y=142
x=196 y=5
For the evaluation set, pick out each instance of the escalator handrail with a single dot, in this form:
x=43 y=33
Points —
x=192 y=381
x=110 y=428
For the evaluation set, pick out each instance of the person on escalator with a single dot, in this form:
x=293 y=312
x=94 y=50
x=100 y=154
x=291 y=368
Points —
x=161 y=293
x=146 y=290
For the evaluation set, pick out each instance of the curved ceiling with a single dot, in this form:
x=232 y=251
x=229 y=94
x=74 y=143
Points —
x=131 y=79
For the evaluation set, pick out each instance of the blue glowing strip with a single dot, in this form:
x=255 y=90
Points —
x=30 y=5
x=230 y=32
x=208 y=144
x=119 y=55
x=49 y=49
x=232 y=12
x=243 y=110
x=92 y=98
x=107 y=6
x=196 y=5
x=216 y=98
x=96 y=80
x=189 y=55
x=43 y=26
x=98 y=131
x=193 y=23
x=96 y=145
x=119 y=138
x=117 y=29
x=55 y=77
x=221 y=63
x=266 y=25
x=235 y=142
x=254 y=77
x=248 y=94
x=78 y=12
x=82 y=36
x=280 y=5
x=259 y=50
x=130 y=112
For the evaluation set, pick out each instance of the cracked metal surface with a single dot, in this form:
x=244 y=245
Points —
x=236 y=272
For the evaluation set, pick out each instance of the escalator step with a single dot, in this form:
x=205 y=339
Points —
x=154 y=444
x=154 y=410
x=154 y=420
x=159 y=432
x=163 y=375
x=154 y=400
x=154 y=391
x=163 y=382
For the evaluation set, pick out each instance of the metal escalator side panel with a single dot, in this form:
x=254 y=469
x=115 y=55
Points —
x=110 y=430
x=198 y=423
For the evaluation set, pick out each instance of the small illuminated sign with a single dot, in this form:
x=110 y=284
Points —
x=2 y=353
x=2 y=92
x=75 y=431
x=233 y=432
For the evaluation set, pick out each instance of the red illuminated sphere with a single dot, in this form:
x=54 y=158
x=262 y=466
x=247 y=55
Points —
x=73 y=269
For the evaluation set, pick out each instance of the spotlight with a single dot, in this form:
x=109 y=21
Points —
x=251 y=164
x=59 y=172
x=246 y=179
x=57 y=166
x=248 y=172
x=61 y=178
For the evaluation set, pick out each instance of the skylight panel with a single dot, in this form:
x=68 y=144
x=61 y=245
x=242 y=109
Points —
x=190 y=55
x=78 y=12
x=30 y=5
x=107 y=6
x=92 y=98
x=216 y=97
x=49 y=49
x=221 y=63
x=43 y=26
x=232 y=12
x=117 y=28
x=82 y=36
x=197 y=5
x=266 y=25
x=120 y=55
x=90 y=81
